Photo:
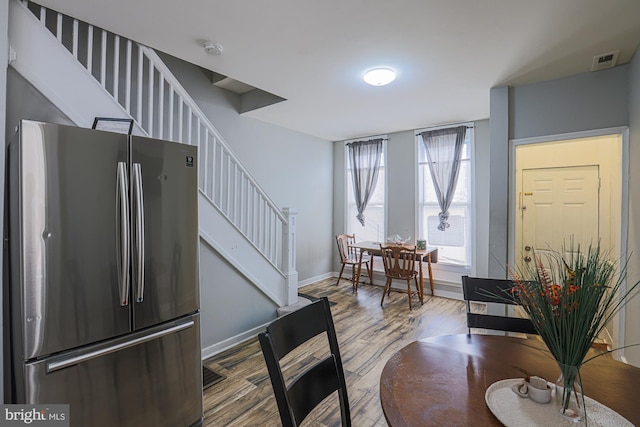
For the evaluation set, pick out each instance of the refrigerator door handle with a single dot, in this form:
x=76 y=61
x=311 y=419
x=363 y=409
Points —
x=139 y=230
x=74 y=360
x=123 y=233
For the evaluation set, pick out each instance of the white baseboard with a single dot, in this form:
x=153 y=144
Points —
x=447 y=294
x=317 y=279
x=217 y=348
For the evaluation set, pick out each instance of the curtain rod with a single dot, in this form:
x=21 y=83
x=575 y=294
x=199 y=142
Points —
x=351 y=141
x=468 y=127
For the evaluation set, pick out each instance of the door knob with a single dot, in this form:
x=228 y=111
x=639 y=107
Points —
x=527 y=248
x=527 y=259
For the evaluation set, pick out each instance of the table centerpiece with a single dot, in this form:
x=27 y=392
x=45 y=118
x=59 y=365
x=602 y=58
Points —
x=570 y=297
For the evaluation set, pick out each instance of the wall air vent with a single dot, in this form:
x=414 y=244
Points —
x=604 y=61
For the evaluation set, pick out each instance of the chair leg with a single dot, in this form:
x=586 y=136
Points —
x=370 y=271
x=384 y=291
x=418 y=290
x=353 y=277
x=340 y=275
x=409 y=292
x=355 y=285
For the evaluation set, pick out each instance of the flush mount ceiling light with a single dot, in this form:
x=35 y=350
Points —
x=379 y=76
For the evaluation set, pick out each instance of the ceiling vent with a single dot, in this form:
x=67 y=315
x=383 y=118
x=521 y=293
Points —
x=604 y=61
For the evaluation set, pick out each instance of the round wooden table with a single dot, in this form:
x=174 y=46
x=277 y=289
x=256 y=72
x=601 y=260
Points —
x=442 y=381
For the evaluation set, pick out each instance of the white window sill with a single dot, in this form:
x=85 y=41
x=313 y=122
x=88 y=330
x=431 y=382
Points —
x=449 y=273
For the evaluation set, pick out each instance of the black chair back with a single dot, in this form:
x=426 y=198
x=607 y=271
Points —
x=297 y=399
x=477 y=289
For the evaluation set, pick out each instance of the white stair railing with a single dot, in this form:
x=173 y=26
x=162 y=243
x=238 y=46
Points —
x=141 y=83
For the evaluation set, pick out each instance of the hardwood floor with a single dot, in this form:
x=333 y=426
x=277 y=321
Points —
x=368 y=335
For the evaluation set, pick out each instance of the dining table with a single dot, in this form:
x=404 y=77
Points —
x=429 y=254
x=442 y=381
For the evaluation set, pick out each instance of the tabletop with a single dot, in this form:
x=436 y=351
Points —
x=442 y=380
x=429 y=254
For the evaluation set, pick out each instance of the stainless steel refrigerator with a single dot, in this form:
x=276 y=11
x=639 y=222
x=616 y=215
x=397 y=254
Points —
x=103 y=276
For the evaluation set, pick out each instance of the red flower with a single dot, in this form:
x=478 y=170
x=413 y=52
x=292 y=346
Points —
x=553 y=293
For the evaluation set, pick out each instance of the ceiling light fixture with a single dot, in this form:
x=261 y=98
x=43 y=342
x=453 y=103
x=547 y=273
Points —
x=379 y=76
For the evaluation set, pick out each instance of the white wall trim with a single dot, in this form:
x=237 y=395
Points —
x=620 y=318
x=570 y=135
x=217 y=348
x=317 y=279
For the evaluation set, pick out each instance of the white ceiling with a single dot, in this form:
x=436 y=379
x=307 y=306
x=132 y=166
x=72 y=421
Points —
x=447 y=53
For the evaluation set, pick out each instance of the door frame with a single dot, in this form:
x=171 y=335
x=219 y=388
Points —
x=623 y=131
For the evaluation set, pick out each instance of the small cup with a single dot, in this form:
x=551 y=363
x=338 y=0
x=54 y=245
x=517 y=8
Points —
x=421 y=244
x=534 y=390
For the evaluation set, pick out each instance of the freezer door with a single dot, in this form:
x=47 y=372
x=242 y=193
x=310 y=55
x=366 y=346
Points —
x=150 y=378
x=164 y=189
x=64 y=237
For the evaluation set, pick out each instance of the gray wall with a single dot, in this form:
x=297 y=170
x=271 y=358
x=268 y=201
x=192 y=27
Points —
x=401 y=169
x=498 y=182
x=633 y=309
x=593 y=100
x=224 y=294
x=26 y=102
x=588 y=101
x=481 y=179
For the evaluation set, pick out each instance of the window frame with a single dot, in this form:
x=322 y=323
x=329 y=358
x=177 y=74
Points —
x=451 y=272
x=348 y=184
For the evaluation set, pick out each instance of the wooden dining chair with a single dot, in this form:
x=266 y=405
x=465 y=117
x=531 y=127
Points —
x=399 y=263
x=476 y=289
x=350 y=255
x=301 y=395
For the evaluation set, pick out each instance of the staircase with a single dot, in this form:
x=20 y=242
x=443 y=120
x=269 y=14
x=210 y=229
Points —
x=87 y=72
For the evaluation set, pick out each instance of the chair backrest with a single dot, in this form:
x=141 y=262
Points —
x=298 y=398
x=345 y=248
x=399 y=261
x=494 y=291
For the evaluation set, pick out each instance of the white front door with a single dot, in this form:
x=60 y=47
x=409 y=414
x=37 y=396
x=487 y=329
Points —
x=559 y=204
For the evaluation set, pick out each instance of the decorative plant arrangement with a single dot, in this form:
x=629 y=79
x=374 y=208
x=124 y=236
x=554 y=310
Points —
x=570 y=296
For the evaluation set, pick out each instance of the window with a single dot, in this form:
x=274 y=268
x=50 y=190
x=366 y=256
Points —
x=454 y=244
x=374 y=228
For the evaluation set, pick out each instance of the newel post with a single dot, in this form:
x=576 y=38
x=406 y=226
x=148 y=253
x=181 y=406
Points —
x=289 y=254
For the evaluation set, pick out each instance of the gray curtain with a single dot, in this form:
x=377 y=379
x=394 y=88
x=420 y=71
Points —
x=444 y=148
x=364 y=159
